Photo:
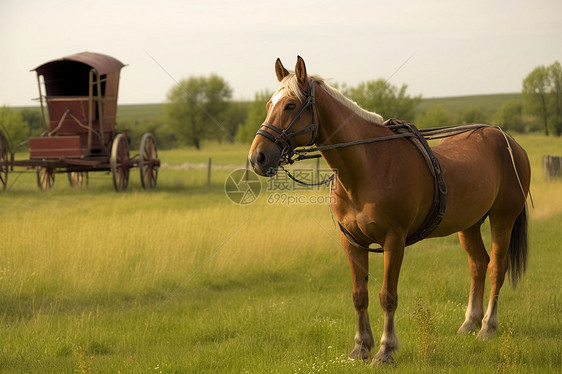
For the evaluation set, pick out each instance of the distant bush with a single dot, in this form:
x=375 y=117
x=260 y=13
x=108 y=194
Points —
x=473 y=114
x=164 y=134
x=435 y=116
x=14 y=128
x=510 y=116
x=384 y=98
x=255 y=116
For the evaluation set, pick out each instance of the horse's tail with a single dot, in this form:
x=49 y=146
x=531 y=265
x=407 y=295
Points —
x=518 y=248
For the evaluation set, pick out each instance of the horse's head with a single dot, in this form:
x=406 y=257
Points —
x=288 y=123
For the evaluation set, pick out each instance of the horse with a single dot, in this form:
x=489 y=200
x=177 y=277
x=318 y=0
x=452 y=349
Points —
x=383 y=191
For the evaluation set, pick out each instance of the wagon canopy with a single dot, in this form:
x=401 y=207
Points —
x=81 y=98
x=68 y=76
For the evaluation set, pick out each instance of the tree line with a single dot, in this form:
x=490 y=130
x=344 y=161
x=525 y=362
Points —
x=201 y=108
x=542 y=95
x=197 y=107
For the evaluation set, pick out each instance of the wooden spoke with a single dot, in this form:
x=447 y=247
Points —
x=45 y=177
x=148 y=162
x=120 y=162
x=77 y=178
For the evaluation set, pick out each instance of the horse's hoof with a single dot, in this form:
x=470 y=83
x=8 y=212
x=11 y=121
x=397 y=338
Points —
x=383 y=357
x=468 y=328
x=485 y=334
x=360 y=353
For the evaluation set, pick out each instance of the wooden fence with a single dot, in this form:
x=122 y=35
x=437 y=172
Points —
x=552 y=167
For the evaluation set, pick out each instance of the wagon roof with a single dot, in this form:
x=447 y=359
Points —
x=103 y=64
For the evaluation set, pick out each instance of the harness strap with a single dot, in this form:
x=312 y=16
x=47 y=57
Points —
x=435 y=215
x=437 y=210
x=352 y=240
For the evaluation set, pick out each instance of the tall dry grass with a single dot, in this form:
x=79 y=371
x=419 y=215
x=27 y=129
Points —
x=134 y=243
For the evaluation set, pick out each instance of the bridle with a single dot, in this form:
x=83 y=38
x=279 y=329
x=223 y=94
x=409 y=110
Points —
x=285 y=139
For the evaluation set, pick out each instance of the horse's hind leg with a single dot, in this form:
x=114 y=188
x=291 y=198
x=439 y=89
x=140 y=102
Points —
x=393 y=255
x=478 y=260
x=501 y=235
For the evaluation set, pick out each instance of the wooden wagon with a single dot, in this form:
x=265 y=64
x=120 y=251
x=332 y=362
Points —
x=79 y=135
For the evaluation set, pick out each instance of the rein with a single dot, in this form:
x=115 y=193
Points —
x=302 y=154
x=325 y=181
x=428 y=134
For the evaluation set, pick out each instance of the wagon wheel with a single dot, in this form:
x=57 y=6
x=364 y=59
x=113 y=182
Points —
x=148 y=162
x=3 y=163
x=45 y=177
x=77 y=178
x=119 y=162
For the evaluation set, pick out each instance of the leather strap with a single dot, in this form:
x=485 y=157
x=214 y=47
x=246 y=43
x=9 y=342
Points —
x=438 y=207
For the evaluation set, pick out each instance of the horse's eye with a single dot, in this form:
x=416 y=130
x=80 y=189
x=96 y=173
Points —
x=290 y=106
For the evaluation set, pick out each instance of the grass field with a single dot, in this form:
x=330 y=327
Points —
x=181 y=280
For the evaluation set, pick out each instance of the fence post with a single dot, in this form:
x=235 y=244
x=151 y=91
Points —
x=209 y=172
x=552 y=167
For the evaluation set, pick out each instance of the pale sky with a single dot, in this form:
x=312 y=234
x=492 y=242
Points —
x=456 y=47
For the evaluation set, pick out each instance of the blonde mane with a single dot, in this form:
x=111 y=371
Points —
x=290 y=87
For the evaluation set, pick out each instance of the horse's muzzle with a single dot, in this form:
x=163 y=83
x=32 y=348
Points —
x=264 y=162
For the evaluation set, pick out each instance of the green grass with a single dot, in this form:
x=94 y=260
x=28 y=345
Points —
x=144 y=112
x=181 y=280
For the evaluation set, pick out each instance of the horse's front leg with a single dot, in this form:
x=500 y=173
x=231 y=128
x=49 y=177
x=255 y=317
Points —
x=393 y=254
x=359 y=262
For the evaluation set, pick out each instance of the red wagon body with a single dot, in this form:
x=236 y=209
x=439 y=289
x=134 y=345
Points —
x=81 y=98
x=78 y=98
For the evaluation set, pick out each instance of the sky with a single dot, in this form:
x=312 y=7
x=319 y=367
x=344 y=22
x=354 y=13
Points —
x=436 y=48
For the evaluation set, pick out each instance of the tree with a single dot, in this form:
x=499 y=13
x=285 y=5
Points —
x=535 y=90
x=256 y=115
x=233 y=118
x=542 y=96
x=13 y=127
x=165 y=136
x=555 y=72
x=34 y=121
x=473 y=114
x=195 y=106
x=435 y=116
x=382 y=97
x=510 y=116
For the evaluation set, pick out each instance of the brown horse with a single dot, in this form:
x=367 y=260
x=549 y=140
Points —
x=383 y=191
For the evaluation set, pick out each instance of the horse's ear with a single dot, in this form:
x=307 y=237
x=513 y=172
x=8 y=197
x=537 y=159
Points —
x=280 y=70
x=300 y=72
